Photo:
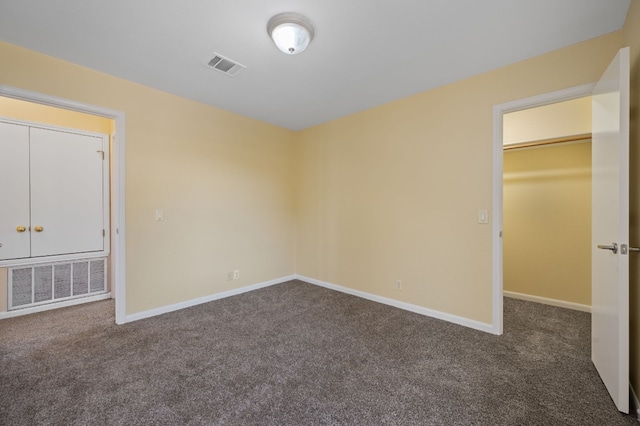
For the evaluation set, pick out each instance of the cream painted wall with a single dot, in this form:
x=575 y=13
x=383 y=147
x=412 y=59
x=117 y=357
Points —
x=547 y=222
x=557 y=120
x=20 y=110
x=394 y=192
x=631 y=37
x=28 y=111
x=224 y=182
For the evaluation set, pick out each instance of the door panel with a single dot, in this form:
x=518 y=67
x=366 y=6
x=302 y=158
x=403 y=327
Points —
x=14 y=198
x=610 y=227
x=66 y=193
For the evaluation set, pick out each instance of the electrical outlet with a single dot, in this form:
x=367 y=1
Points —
x=236 y=274
x=399 y=285
x=229 y=276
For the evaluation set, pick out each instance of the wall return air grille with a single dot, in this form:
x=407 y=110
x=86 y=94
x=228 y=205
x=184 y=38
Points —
x=56 y=282
x=225 y=65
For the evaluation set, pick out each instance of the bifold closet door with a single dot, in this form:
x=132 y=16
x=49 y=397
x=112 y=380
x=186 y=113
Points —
x=66 y=192
x=14 y=191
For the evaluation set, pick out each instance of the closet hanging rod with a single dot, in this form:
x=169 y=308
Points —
x=551 y=141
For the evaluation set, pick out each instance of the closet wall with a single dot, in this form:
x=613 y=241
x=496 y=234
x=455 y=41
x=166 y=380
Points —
x=547 y=204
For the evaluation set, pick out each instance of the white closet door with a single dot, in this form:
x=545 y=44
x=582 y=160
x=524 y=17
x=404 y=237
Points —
x=66 y=193
x=14 y=191
x=610 y=227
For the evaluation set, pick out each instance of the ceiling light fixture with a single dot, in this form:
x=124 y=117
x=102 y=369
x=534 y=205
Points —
x=291 y=32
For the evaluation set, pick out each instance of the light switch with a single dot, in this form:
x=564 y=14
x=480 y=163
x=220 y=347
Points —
x=159 y=215
x=483 y=216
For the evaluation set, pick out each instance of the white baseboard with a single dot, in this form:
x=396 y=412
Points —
x=635 y=404
x=193 y=302
x=546 y=301
x=42 y=308
x=402 y=305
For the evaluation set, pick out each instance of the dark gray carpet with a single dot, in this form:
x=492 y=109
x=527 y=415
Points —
x=296 y=354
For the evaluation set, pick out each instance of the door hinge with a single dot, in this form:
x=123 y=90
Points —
x=104 y=234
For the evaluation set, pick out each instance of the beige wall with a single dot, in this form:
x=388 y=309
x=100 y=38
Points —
x=29 y=111
x=631 y=37
x=394 y=192
x=552 y=121
x=547 y=222
x=224 y=182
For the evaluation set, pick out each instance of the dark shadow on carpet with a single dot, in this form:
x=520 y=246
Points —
x=297 y=354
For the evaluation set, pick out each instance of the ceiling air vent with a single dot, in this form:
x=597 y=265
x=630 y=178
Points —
x=225 y=65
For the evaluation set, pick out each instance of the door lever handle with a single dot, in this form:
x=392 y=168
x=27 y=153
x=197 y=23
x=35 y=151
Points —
x=613 y=247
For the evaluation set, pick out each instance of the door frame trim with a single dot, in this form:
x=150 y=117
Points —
x=117 y=181
x=497 y=201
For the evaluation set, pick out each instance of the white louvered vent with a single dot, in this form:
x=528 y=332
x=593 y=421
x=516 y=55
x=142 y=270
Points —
x=225 y=65
x=56 y=282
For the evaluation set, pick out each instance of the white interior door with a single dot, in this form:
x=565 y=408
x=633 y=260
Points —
x=14 y=197
x=610 y=230
x=67 y=209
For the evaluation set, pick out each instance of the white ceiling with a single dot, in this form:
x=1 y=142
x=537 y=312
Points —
x=365 y=52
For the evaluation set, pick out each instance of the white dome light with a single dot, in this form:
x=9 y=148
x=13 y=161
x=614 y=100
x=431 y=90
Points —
x=291 y=32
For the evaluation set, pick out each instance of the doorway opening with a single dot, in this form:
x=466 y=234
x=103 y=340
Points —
x=24 y=105
x=610 y=219
x=499 y=113
x=547 y=204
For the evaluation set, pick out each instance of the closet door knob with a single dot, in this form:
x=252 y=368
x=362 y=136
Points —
x=38 y=229
x=21 y=229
